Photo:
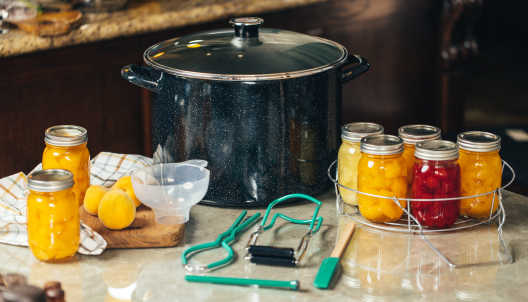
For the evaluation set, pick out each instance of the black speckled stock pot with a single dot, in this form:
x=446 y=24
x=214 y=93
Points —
x=261 y=105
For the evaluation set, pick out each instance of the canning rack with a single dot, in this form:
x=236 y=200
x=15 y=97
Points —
x=409 y=224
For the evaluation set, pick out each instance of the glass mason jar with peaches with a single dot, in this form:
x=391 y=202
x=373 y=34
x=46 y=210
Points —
x=66 y=149
x=52 y=215
x=382 y=172
x=481 y=172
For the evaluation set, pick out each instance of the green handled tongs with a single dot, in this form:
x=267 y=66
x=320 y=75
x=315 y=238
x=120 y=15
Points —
x=282 y=256
x=220 y=241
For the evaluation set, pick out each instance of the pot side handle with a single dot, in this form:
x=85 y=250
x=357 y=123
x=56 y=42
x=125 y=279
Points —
x=355 y=71
x=145 y=77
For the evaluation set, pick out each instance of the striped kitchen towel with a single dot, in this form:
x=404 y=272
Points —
x=106 y=169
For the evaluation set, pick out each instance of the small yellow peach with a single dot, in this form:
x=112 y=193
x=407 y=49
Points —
x=125 y=184
x=93 y=197
x=116 y=210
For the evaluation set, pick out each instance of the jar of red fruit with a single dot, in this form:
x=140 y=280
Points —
x=436 y=176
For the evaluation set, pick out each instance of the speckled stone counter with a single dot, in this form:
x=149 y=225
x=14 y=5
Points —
x=377 y=266
x=143 y=17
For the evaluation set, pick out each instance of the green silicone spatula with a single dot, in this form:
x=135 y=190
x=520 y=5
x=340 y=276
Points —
x=329 y=265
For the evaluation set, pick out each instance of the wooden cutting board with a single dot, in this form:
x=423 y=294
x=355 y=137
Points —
x=144 y=232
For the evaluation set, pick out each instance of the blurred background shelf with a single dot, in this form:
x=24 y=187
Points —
x=75 y=79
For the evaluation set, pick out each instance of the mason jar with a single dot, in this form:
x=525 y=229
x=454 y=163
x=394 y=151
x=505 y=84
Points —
x=481 y=172
x=66 y=149
x=52 y=215
x=349 y=155
x=382 y=172
x=436 y=175
x=412 y=134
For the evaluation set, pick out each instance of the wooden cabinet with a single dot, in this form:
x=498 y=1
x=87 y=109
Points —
x=82 y=85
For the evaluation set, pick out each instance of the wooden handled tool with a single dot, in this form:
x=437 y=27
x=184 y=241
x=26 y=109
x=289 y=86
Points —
x=329 y=265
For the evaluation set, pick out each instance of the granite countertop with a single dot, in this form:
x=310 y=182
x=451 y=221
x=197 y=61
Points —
x=376 y=266
x=143 y=17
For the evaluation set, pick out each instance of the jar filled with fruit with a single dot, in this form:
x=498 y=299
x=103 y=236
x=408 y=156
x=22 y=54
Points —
x=66 y=149
x=382 y=172
x=349 y=155
x=412 y=134
x=481 y=172
x=436 y=175
x=52 y=215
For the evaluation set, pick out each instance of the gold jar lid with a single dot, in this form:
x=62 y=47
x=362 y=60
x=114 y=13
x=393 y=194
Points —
x=66 y=136
x=50 y=180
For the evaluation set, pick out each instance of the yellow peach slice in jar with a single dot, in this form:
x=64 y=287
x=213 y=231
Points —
x=399 y=186
x=394 y=169
x=71 y=160
x=70 y=235
x=373 y=213
x=366 y=179
x=41 y=241
x=466 y=185
x=389 y=208
x=381 y=183
x=474 y=169
x=80 y=187
x=366 y=201
x=45 y=254
x=51 y=163
x=86 y=158
x=370 y=167
x=408 y=156
x=65 y=250
x=65 y=213
x=51 y=156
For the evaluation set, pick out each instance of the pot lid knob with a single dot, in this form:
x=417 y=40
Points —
x=246 y=27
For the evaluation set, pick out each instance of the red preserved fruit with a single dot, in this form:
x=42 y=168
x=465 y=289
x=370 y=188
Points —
x=441 y=173
x=436 y=180
x=432 y=182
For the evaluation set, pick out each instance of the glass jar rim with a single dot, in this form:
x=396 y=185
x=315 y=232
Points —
x=50 y=180
x=382 y=144
x=479 y=141
x=66 y=135
x=354 y=132
x=436 y=150
x=412 y=134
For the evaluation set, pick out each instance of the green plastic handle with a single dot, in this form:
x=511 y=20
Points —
x=293 y=285
x=225 y=242
x=289 y=219
x=215 y=243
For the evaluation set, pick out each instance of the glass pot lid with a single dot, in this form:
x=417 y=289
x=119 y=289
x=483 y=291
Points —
x=246 y=52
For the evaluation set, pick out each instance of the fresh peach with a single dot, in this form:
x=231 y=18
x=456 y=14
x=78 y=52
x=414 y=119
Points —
x=93 y=197
x=116 y=210
x=125 y=184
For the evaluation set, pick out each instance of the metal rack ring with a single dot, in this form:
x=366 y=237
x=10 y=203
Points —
x=416 y=227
